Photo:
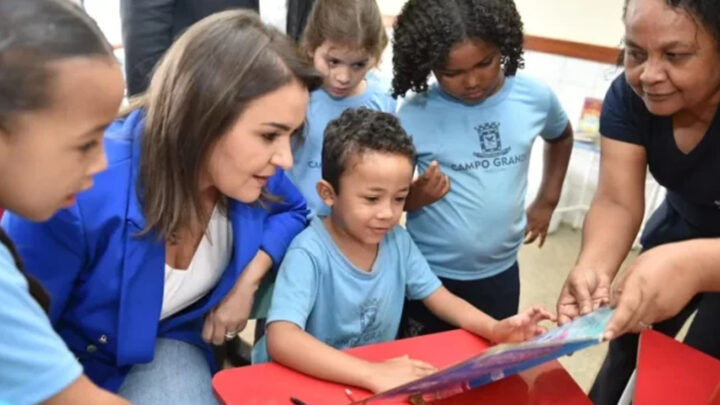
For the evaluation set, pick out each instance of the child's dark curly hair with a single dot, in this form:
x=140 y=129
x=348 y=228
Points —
x=360 y=130
x=426 y=30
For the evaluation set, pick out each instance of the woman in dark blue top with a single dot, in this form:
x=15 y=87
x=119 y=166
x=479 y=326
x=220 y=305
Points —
x=165 y=252
x=661 y=114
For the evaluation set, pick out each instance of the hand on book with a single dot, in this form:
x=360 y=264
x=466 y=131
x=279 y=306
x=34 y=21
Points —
x=395 y=372
x=585 y=290
x=522 y=326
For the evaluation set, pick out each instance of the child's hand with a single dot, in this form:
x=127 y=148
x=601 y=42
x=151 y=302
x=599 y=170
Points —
x=428 y=188
x=396 y=372
x=522 y=326
x=539 y=214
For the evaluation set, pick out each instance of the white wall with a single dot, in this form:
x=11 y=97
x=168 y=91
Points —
x=107 y=15
x=595 y=22
x=390 y=7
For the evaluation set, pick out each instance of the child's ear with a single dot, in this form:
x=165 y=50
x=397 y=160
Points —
x=326 y=192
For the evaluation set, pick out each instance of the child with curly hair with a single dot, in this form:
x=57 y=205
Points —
x=344 y=39
x=343 y=280
x=474 y=130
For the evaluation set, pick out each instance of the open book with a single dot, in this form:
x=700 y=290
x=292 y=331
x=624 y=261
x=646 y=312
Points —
x=503 y=360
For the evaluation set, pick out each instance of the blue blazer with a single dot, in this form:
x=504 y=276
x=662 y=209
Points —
x=106 y=283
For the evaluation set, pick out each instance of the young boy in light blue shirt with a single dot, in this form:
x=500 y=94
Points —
x=344 y=279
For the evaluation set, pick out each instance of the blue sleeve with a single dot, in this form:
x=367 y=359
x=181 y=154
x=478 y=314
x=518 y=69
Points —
x=421 y=281
x=391 y=106
x=412 y=122
x=296 y=289
x=52 y=251
x=619 y=118
x=287 y=218
x=35 y=364
x=557 y=119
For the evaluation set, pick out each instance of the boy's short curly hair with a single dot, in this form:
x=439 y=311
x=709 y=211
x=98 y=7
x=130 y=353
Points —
x=426 y=30
x=357 y=131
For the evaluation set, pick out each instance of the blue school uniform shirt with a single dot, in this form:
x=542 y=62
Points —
x=35 y=363
x=321 y=291
x=475 y=231
x=307 y=152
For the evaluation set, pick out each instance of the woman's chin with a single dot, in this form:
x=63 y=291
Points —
x=247 y=196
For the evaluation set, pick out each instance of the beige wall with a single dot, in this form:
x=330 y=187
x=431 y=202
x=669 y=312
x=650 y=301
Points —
x=595 y=22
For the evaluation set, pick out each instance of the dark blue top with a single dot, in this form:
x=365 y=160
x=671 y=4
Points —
x=692 y=180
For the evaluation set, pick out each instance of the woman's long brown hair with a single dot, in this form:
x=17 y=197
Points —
x=200 y=88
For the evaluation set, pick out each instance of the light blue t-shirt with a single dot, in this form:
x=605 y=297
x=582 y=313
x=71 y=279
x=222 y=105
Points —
x=307 y=152
x=321 y=291
x=35 y=363
x=475 y=231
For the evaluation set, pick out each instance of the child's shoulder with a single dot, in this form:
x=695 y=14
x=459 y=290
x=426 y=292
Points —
x=526 y=84
x=378 y=93
x=398 y=237
x=416 y=103
x=310 y=241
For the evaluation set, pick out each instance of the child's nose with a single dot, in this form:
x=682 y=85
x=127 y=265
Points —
x=342 y=75
x=385 y=212
x=471 y=81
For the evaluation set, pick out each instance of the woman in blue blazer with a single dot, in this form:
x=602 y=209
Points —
x=206 y=145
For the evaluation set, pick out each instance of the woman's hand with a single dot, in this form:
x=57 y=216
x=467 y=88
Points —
x=656 y=287
x=230 y=316
x=585 y=290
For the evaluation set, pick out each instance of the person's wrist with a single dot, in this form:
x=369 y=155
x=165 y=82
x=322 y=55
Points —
x=593 y=267
x=494 y=332
x=547 y=201
x=366 y=376
x=247 y=285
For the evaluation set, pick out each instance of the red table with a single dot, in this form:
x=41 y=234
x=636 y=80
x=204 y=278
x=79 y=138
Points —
x=271 y=384
x=670 y=372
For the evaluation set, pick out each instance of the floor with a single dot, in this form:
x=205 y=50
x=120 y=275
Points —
x=542 y=273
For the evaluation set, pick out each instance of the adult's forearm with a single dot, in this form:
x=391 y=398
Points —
x=608 y=235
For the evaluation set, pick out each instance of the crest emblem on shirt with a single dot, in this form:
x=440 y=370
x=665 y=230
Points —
x=490 y=140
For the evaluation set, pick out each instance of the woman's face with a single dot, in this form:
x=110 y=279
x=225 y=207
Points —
x=50 y=155
x=671 y=61
x=244 y=158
